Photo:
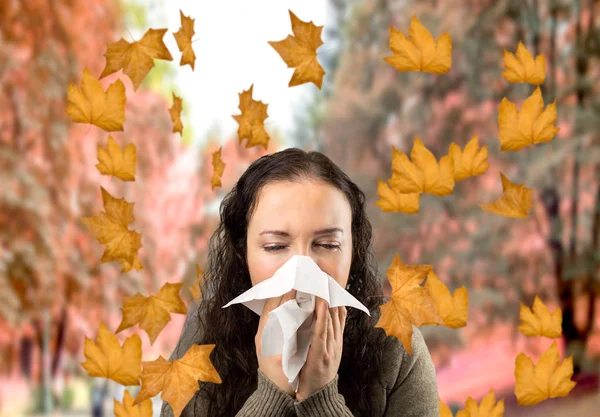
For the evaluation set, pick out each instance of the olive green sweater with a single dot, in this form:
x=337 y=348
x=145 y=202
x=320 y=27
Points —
x=409 y=389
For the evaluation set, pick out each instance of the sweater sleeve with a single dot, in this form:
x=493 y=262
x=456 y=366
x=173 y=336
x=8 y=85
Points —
x=415 y=392
x=326 y=402
x=267 y=400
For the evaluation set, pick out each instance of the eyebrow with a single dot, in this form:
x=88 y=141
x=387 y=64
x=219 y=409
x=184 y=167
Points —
x=326 y=231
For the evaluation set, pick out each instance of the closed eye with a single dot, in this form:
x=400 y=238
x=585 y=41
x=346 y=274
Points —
x=276 y=248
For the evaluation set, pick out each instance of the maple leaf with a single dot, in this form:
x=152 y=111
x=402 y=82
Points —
x=547 y=379
x=92 y=105
x=195 y=289
x=218 y=168
x=421 y=52
x=540 y=322
x=252 y=120
x=393 y=200
x=153 y=312
x=116 y=162
x=183 y=37
x=178 y=380
x=175 y=112
x=487 y=408
x=423 y=174
x=444 y=409
x=452 y=308
x=470 y=162
x=107 y=359
x=110 y=227
x=127 y=409
x=516 y=201
x=522 y=68
x=136 y=59
x=532 y=124
x=410 y=302
x=300 y=52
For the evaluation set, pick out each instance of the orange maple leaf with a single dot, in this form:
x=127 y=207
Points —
x=487 y=408
x=178 y=380
x=300 y=52
x=127 y=409
x=218 y=168
x=252 y=120
x=175 y=112
x=410 y=302
x=111 y=228
x=516 y=201
x=116 y=162
x=469 y=162
x=183 y=37
x=195 y=289
x=153 y=312
x=392 y=200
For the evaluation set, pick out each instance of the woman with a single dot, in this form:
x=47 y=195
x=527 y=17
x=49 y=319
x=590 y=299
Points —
x=286 y=203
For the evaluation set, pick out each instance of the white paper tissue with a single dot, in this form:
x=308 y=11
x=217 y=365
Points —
x=290 y=326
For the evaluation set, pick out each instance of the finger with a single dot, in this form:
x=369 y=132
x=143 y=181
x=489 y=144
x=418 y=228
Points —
x=320 y=332
x=335 y=319
x=290 y=295
x=330 y=334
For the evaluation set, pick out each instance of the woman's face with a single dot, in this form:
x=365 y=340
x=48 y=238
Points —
x=306 y=218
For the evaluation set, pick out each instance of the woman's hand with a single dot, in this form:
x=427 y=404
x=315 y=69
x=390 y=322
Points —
x=271 y=366
x=325 y=352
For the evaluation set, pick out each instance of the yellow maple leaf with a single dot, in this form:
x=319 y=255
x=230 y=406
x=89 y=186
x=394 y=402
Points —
x=300 y=52
x=136 y=59
x=107 y=359
x=252 y=120
x=540 y=322
x=532 y=124
x=444 y=409
x=195 y=289
x=127 y=409
x=487 y=408
x=516 y=201
x=420 y=52
x=391 y=200
x=218 y=168
x=183 y=37
x=153 y=312
x=110 y=227
x=92 y=105
x=470 y=162
x=547 y=379
x=410 y=302
x=178 y=380
x=453 y=308
x=175 y=112
x=116 y=162
x=523 y=68
x=423 y=174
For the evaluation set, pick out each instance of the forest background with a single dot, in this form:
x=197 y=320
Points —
x=54 y=291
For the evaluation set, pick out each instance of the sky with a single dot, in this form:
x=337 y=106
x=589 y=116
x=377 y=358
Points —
x=232 y=53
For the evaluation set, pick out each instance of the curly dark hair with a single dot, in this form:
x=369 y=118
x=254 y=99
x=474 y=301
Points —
x=226 y=276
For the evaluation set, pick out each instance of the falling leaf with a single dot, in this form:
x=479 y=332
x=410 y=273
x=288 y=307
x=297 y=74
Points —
x=516 y=201
x=116 y=162
x=218 y=167
x=111 y=228
x=252 y=120
x=195 y=289
x=423 y=174
x=453 y=308
x=421 y=52
x=470 y=162
x=136 y=59
x=410 y=302
x=395 y=201
x=175 y=112
x=92 y=105
x=547 y=379
x=153 y=312
x=178 y=380
x=540 y=322
x=532 y=124
x=127 y=409
x=107 y=359
x=444 y=409
x=487 y=408
x=522 y=68
x=300 y=52
x=183 y=37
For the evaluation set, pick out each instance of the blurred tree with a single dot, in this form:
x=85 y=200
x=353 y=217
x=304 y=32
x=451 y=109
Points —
x=555 y=253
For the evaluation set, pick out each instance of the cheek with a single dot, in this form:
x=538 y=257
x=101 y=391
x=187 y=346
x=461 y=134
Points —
x=260 y=265
x=338 y=268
